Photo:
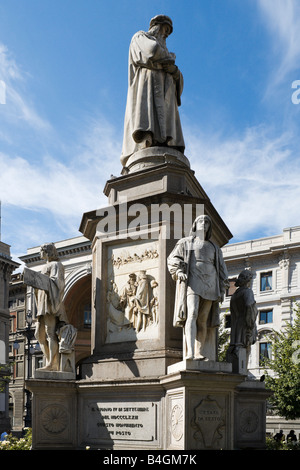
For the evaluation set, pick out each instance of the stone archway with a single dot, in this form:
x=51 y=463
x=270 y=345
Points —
x=78 y=307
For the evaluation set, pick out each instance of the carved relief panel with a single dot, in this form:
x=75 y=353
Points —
x=132 y=292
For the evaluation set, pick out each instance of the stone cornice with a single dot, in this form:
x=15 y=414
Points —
x=63 y=251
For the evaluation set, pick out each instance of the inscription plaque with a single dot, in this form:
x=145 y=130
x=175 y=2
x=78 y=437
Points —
x=126 y=421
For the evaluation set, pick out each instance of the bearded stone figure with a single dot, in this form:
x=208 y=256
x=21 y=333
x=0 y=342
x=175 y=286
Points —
x=155 y=85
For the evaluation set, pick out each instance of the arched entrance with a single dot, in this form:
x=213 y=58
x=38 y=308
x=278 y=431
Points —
x=78 y=307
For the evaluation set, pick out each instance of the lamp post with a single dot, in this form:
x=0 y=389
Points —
x=29 y=334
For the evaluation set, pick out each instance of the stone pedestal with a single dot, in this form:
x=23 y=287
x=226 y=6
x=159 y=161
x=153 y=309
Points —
x=136 y=391
x=149 y=208
x=250 y=415
x=200 y=407
x=200 y=410
x=237 y=356
x=67 y=369
x=54 y=413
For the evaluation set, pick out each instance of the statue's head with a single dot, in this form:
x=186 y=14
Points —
x=244 y=278
x=48 y=251
x=159 y=20
x=203 y=223
x=132 y=278
x=142 y=275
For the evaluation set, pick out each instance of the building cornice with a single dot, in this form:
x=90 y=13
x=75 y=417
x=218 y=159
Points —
x=64 y=251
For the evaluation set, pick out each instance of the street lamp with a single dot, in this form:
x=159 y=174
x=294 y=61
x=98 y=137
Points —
x=29 y=334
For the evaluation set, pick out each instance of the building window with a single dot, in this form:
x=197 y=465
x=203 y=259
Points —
x=11 y=323
x=39 y=362
x=265 y=316
x=266 y=281
x=264 y=352
x=87 y=316
x=21 y=319
x=232 y=288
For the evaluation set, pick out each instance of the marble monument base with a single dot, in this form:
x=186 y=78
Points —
x=196 y=406
x=210 y=408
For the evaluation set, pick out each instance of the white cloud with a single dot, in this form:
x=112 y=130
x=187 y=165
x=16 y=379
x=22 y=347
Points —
x=46 y=182
x=252 y=180
x=282 y=18
x=17 y=107
x=64 y=188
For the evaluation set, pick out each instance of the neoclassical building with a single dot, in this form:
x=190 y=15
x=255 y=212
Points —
x=7 y=266
x=275 y=264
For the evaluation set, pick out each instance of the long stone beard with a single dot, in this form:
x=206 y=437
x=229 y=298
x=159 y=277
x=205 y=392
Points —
x=155 y=31
x=162 y=41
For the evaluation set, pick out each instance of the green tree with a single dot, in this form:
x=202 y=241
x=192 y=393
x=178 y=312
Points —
x=283 y=369
x=13 y=443
x=5 y=375
x=223 y=340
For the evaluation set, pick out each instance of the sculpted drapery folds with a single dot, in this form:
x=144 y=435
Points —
x=197 y=266
x=155 y=85
x=244 y=312
x=50 y=307
x=51 y=302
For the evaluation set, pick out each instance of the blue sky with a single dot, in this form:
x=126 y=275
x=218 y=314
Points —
x=63 y=65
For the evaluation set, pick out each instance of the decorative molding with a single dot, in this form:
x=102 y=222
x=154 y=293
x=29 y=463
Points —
x=54 y=418
x=249 y=421
x=72 y=277
x=177 y=422
x=135 y=258
x=209 y=422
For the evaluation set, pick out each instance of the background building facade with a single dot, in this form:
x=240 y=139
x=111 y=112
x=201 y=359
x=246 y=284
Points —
x=7 y=266
x=275 y=264
x=75 y=255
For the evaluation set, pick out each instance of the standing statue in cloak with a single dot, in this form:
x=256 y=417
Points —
x=244 y=313
x=197 y=266
x=155 y=85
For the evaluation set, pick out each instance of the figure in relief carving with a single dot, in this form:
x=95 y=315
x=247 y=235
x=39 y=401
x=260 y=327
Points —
x=127 y=298
x=136 y=306
x=154 y=301
x=197 y=265
x=243 y=315
x=116 y=316
x=155 y=85
x=142 y=302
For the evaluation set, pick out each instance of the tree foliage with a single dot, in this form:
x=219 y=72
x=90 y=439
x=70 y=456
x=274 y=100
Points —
x=283 y=369
x=13 y=443
x=223 y=340
x=5 y=375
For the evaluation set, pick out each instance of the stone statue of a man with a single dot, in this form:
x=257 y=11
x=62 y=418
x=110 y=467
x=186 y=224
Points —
x=243 y=315
x=155 y=85
x=50 y=307
x=197 y=265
